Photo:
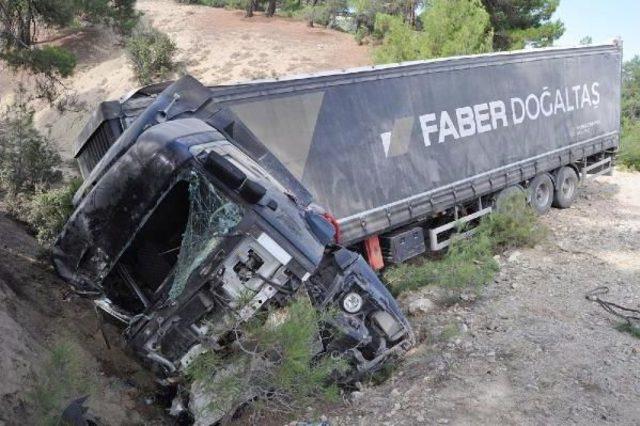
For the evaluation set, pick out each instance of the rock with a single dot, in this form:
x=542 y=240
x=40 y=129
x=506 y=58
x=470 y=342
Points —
x=356 y=396
x=421 y=306
x=468 y=297
x=395 y=393
x=514 y=256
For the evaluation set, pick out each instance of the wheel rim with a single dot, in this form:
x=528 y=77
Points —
x=568 y=187
x=542 y=194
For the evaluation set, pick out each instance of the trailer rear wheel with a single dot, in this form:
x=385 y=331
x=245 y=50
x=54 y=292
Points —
x=541 y=193
x=566 y=187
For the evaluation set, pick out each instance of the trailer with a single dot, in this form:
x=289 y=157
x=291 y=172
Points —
x=316 y=182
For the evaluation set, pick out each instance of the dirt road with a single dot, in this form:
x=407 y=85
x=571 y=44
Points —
x=531 y=349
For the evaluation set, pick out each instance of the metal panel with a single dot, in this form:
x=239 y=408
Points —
x=403 y=245
x=379 y=146
x=372 y=145
x=434 y=233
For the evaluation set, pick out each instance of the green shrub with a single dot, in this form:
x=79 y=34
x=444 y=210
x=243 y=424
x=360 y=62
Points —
x=29 y=169
x=451 y=27
x=626 y=327
x=469 y=261
x=62 y=378
x=214 y=3
x=515 y=224
x=124 y=16
x=360 y=34
x=400 y=42
x=319 y=14
x=629 y=155
x=290 y=6
x=45 y=211
x=364 y=14
x=278 y=364
x=237 y=4
x=28 y=160
x=48 y=60
x=151 y=52
x=382 y=24
x=630 y=102
x=455 y=27
x=47 y=65
x=48 y=211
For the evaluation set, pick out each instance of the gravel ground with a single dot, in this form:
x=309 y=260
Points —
x=530 y=349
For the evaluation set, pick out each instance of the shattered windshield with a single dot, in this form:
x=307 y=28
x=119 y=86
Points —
x=211 y=216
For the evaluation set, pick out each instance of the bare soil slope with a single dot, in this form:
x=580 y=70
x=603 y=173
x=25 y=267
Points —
x=215 y=45
x=531 y=349
x=37 y=313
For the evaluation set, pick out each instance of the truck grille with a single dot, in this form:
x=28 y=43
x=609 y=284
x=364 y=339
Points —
x=97 y=145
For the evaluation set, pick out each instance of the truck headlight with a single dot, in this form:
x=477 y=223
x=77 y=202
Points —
x=352 y=302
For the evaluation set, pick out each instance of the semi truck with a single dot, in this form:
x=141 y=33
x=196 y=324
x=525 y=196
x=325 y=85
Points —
x=202 y=206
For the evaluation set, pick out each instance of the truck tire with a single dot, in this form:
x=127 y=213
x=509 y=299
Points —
x=508 y=193
x=541 y=193
x=566 y=187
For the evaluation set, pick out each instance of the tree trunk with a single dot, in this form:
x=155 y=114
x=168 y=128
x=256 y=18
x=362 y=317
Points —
x=251 y=5
x=410 y=13
x=271 y=8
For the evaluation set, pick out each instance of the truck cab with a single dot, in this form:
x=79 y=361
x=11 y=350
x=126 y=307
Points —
x=184 y=235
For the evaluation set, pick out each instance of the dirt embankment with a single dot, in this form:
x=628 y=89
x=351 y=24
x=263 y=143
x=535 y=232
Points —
x=38 y=313
x=215 y=45
x=531 y=349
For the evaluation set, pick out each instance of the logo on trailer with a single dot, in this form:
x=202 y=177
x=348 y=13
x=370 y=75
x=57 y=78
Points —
x=446 y=126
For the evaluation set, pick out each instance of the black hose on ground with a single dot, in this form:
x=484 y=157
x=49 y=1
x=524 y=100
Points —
x=613 y=308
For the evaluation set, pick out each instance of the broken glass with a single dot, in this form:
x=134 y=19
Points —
x=211 y=217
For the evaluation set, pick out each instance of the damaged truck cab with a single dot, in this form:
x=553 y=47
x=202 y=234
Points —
x=181 y=235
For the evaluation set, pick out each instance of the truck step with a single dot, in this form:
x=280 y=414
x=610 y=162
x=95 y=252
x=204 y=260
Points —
x=602 y=167
x=434 y=233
